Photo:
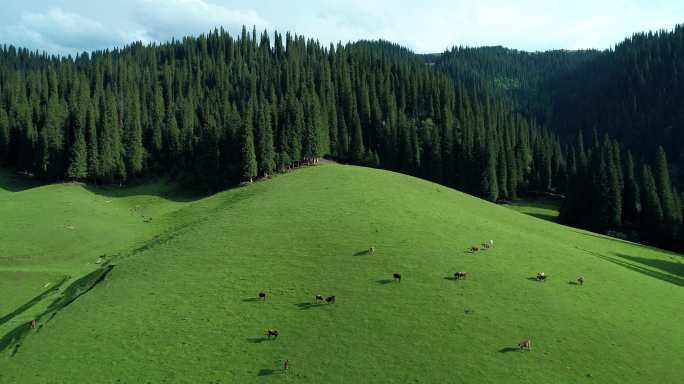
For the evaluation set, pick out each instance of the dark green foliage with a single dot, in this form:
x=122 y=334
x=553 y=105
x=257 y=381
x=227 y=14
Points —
x=652 y=217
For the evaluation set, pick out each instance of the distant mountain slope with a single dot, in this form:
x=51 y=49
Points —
x=184 y=307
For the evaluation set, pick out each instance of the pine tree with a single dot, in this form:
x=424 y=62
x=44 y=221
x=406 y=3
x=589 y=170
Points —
x=670 y=226
x=248 y=164
x=631 y=202
x=92 y=141
x=78 y=158
x=133 y=143
x=4 y=137
x=652 y=212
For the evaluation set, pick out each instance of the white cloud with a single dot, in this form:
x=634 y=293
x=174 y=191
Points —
x=163 y=19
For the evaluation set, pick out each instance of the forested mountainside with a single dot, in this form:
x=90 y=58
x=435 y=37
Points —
x=216 y=110
x=225 y=109
x=620 y=116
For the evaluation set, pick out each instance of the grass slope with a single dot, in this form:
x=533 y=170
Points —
x=181 y=308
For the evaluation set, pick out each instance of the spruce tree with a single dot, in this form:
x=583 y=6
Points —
x=4 y=136
x=670 y=226
x=631 y=202
x=248 y=163
x=652 y=212
x=78 y=158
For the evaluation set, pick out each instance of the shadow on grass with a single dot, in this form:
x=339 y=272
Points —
x=384 y=281
x=362 y=253
x=533 y=279
x=542 y=216
x=267 y=372
x=70 y=294
x=309 y=305
x=450 y=278
x=13 y=182
x=251 y=300
x=572 y=283
x=674 y=271
x=32 y=302
x=258 y=340
x=509 y=349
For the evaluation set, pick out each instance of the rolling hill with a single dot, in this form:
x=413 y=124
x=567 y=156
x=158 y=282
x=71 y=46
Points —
x=143 y=284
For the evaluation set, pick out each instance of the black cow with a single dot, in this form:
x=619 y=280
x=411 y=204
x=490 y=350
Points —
x=330 y=299
x=262 y=295
x=319 y=298
x=397 y=277
x=460 y=275
x=272 y=332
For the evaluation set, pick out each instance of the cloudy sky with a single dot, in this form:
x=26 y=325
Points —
x=70 y=26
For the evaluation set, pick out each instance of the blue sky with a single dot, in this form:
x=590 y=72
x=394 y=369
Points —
x=70 y=26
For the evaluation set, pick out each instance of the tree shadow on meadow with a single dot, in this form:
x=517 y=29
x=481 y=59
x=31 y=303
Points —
x=671 y=272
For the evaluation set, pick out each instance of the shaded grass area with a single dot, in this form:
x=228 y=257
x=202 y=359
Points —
x=544 y=208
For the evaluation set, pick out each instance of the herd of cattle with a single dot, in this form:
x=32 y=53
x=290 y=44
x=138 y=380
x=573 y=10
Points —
x=523 y=345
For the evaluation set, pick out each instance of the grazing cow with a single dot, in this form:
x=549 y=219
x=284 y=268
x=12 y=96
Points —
x=490 y=244
x=33 y=324
x=474 y=249
x=319 y=298
x=525 y=344
x=580 y=280
x=371 y=250
x=286 y=365
x=272 y=332
x=330 y=299
x=262 y=296
x=397 y=277
x=541 y=276
x=460 y=275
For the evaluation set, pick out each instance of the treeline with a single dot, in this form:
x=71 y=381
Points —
x=611 y=192
x=219 y=110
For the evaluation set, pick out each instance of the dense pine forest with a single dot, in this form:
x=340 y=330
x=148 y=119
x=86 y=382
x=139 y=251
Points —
x=217 y=110
x=619 y=114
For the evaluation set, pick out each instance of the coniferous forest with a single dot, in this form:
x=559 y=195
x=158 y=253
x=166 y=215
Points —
x=600 y=128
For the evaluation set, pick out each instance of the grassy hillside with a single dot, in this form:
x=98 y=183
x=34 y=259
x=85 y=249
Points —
x=179 y=303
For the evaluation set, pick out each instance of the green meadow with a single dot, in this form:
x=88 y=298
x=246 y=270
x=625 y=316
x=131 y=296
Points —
x=146 y=284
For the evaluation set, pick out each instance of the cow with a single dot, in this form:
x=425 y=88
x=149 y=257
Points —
x=33 y=324
x=286 y=366
x=371 y=250
x=474 y=249
x=262 y=296
x=397 y=277
x=580 y=280
x=272 y=332
x=318 y=298
x=525 y=344
x=330 y=299
x=541 y=276
x=460 y=275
